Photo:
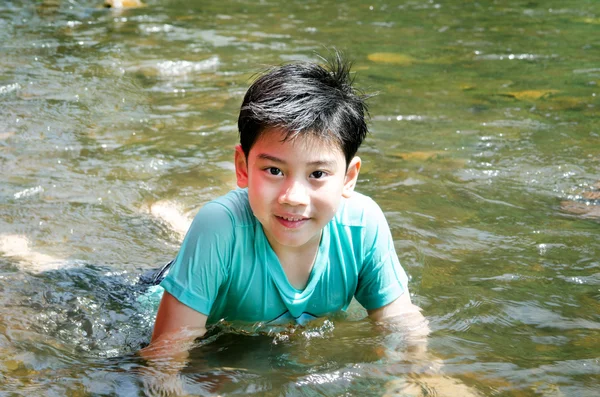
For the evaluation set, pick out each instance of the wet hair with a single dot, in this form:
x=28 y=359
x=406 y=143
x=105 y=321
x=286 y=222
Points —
x=304 y=99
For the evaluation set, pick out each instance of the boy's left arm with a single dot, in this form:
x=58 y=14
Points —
x=400 y=306
x=406 y=316
x=382 y=278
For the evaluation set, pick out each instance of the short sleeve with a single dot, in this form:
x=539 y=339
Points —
x=202 y=264
x=381 y=279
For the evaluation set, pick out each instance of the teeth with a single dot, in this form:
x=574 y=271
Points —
x=291 y=219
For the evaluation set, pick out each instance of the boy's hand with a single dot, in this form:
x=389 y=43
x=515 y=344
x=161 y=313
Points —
x=425 y=378
x=407 y=331
x=441 y=386
x=404 y=314
x=176 y=328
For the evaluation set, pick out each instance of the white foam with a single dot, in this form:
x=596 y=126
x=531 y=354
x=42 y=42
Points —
x=182 y=68
x=9 y=88
x=28 y=192
x=175 y=69
x=512 y=57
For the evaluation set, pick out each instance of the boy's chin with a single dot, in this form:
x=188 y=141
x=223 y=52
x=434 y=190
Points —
x=291 y=243
x=293 y=239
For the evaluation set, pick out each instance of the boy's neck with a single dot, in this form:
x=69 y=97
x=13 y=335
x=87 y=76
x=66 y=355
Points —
x=297 y=263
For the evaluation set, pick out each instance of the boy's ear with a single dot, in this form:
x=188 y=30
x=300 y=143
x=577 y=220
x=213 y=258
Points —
x=241 y=167
x=351 y=177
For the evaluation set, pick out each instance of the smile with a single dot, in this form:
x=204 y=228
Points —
x=291 y=222
x=291 y=219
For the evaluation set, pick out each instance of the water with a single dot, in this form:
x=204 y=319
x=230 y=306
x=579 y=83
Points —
x=116 y=126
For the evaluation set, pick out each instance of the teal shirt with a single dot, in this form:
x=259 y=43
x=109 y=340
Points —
x=226 y=268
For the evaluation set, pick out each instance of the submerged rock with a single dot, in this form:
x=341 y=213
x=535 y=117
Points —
x=585 y=205
x=581 y=209
x=390 y=57
x=530 y=95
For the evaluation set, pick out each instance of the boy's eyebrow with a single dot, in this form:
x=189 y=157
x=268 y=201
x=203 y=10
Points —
x=265 y=156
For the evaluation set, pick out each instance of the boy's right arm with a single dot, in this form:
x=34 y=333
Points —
x=195 y=277
x=175 y=329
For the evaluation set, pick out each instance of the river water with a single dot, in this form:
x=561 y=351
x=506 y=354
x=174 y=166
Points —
x=484 y=152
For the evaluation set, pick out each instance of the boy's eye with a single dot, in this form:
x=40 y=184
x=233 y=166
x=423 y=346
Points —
x=318 y=174
x=274 y=171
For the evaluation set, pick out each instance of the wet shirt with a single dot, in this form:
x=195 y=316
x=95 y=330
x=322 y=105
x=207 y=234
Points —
x=226 y=268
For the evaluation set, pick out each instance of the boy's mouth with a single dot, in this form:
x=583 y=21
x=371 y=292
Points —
x=291 y=222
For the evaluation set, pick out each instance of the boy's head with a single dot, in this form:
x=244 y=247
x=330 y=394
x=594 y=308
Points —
x=306 y=99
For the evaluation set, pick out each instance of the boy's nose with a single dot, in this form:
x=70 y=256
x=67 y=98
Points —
x=294 y=193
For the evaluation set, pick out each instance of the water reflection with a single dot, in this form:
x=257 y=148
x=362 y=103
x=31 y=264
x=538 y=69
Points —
x=83 y=324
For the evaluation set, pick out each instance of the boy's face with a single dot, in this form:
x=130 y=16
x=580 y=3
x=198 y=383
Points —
x=294 y=187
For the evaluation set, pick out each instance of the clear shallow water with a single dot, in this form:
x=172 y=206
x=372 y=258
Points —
x=485 y=154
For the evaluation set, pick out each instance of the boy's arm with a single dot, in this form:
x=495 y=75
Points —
x=400 y=306
x=406 y=317
x=197 y=272
x=405 y=332
x=175 y=329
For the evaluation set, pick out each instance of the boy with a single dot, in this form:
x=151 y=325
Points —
x=295 y=241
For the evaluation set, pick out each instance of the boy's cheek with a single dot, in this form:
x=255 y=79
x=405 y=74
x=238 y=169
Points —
x=257 y=185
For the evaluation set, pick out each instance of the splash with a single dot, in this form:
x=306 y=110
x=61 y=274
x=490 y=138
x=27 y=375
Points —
x=9 y=88
x=172 y=213
x=19 y=247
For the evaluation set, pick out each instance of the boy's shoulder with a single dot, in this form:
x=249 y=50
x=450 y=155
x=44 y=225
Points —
x=357 y=210
x=236 y=204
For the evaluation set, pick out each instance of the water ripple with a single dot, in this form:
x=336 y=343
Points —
x=177 y=68
x=513 y=57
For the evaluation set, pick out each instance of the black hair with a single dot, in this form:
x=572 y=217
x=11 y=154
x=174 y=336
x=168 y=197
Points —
x=306 y=98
